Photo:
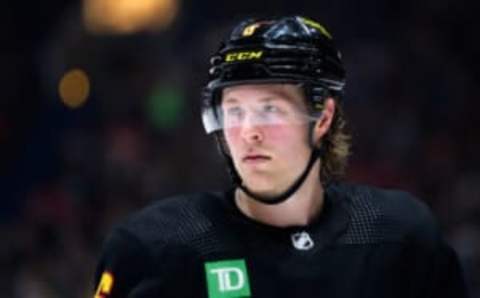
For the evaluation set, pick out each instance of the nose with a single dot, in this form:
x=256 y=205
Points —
x=251 y=132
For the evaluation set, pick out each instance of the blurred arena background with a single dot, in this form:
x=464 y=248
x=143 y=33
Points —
x=99 y=115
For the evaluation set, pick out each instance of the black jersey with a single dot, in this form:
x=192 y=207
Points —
x=367 y=242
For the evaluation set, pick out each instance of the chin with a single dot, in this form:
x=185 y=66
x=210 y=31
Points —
x=260 y=186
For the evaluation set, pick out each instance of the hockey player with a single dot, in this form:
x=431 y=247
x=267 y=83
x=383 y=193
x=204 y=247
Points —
x=288 y=227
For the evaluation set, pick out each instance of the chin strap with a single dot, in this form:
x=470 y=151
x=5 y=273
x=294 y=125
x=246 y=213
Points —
x=265 y=199
x=272 y=200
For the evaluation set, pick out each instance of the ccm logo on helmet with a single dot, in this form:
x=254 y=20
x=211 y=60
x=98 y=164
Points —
x=242 y=56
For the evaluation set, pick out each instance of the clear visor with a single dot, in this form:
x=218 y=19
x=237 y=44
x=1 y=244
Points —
x=268 y=112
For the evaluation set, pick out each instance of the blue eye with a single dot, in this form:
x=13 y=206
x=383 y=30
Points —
x=234 y=111
x=271 y=109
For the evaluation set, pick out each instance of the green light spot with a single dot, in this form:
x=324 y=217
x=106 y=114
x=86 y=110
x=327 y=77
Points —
x=164 y=108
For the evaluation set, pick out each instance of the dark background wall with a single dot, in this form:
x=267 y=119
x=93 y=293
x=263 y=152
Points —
x=68 y=174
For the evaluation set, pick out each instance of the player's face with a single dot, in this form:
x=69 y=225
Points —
x=266 y=131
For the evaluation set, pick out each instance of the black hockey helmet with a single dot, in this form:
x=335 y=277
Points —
x=285 y=50
x=290 y=49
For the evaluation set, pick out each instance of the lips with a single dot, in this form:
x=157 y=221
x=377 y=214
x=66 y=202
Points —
x=255 y=158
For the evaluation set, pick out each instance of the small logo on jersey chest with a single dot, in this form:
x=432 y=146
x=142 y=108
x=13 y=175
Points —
x=302 y=241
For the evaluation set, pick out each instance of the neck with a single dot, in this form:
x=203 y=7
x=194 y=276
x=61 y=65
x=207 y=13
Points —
x=298 y=210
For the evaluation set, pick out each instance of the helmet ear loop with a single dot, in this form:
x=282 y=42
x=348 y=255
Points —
x=319 y=146
x=315 y=105
x=222 y=144
x=223 y=148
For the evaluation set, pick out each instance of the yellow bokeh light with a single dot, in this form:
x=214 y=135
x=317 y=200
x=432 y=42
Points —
x=74 y=88
x=128 y=16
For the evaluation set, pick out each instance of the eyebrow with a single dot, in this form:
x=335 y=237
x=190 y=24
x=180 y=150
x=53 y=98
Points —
x=229 y=100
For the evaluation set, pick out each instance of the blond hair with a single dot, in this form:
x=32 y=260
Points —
x=336 y=147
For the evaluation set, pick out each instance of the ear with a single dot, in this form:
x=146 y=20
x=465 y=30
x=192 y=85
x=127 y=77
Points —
x=325 y=121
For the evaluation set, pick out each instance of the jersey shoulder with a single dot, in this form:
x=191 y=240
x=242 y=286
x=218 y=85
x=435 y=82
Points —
x=379 y=214
x=154 y=240
x=178 y=219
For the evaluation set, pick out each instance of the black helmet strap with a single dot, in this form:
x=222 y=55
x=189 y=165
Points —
x=273 y=200
x=265 y=199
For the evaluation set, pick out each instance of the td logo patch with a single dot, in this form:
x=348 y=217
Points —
x=227 y=279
